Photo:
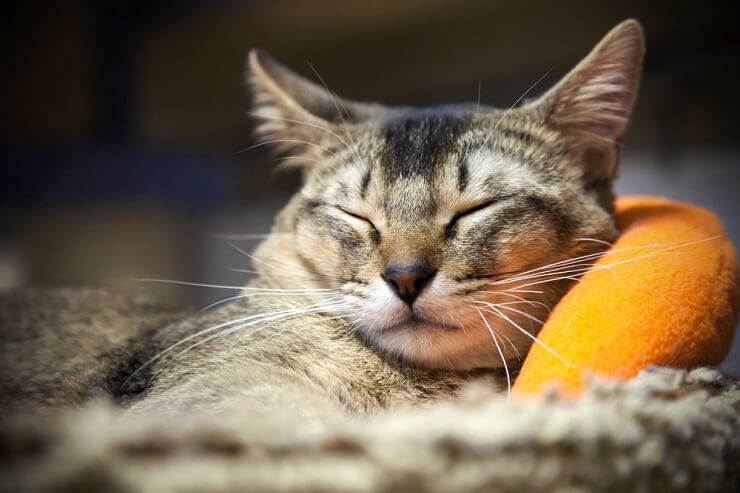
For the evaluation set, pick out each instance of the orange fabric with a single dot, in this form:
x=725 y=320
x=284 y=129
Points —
x=665 y=294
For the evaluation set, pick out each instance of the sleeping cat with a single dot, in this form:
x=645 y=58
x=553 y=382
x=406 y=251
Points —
x=423 y=250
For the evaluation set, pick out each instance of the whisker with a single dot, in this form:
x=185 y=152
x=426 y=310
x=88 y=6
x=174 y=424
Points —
x=287 y=330
x=534 y=339
x=248 y=236
x=291 y=275
x=251 y=295
x=554 y=272
x=614 y=250
x=224 y=286
x=501 y=354
x=525 y=300
x=475 y=117
x=511 y=108
x=596 y=240
x=288 y=141
x=198 y=334
x=520 y=312
x=283 y=315
x=182 y=341
x=297 y=158
x=302 y=122
x=268 y=262
x=545 y=281
x=513 y=346
x=570 y=262
x=345 y=125
x=611 y=266
x=314 y=308
x=272 y=325
x=529 y=291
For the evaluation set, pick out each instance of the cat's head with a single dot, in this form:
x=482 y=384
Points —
x=434 y=224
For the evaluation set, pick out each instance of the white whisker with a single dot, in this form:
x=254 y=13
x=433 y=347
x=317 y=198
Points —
x=534 y=339
x=498 y=348
x=253 y=295
x=520 y=312
x=248 y=236
x=596 y=240
x=301 y=122
x=224 y=286
x=279 y=265
x=254 y=317
x=272 y=316
x=511 y=108
x=297 y=158
x=335 y=100
x=288 y=141
x=611 y=266
x=522 y=299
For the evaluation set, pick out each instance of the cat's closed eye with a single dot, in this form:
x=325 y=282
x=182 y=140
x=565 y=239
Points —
x=451 y=226
x=359 y=217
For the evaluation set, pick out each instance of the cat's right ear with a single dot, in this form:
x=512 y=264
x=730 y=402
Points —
x=296 y=114
x=593 y=102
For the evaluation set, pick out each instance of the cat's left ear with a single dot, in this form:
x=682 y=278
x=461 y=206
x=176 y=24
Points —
x=594 y=101
x=297 y=114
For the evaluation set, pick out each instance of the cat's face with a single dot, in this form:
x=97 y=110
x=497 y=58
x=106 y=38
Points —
x=434 y=224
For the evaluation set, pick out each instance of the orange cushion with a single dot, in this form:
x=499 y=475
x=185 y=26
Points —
x=665 y=294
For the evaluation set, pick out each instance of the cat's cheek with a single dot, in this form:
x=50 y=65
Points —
x=321 y=254
x=437 y=302
x=382 y=308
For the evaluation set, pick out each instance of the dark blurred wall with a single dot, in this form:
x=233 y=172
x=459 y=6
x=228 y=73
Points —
x=186 y=59
x=123 y=122
x=47 y=81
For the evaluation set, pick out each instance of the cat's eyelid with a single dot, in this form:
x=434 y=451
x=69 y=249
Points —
x=481 y=205
x=353 y=213
x=357 y=216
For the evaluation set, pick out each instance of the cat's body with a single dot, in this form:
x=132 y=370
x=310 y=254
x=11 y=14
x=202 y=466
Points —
x=100 y=338
x=424 y=249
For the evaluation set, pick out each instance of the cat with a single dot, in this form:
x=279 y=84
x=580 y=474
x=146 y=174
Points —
x=423 y=250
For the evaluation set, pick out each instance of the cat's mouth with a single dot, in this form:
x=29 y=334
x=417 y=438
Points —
x=415 y=322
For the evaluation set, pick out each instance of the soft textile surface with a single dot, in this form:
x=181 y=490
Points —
x=665 y=294
x=665 y=430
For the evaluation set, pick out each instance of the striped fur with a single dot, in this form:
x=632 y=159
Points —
x=468 y=190
x=468 y=194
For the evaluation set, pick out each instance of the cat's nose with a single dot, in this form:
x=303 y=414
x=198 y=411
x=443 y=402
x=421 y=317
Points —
x=408 y=280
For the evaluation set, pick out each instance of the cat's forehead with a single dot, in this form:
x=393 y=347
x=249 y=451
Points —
x=416 y=143
x=422 y=161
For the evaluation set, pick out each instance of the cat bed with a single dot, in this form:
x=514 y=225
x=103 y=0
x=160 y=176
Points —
x=665 y=294
x=665 y=430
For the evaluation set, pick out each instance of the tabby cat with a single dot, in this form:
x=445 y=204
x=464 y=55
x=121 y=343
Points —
x=424 y=249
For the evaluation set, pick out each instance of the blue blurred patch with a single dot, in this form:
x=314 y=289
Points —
x=99 y=175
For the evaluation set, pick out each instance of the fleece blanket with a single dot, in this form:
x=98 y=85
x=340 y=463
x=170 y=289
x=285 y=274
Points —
x=665 y=430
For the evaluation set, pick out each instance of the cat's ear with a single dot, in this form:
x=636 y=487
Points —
x=598 y=94
x=594 y=101
x=298 y=114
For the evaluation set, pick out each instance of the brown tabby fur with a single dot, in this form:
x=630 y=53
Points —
x=472 y=193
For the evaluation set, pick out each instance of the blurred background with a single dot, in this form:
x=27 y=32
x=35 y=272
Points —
x=123 y=126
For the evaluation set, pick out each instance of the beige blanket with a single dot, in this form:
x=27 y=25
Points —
x=666 y=430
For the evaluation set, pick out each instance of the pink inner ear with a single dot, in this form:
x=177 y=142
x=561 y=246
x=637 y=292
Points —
x=597 y=96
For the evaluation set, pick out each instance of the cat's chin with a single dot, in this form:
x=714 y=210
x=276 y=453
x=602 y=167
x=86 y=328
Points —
x=433 y=345
x=421 y=325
